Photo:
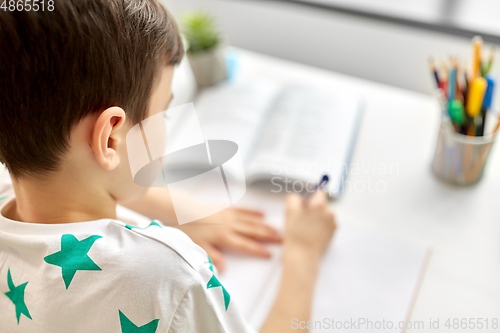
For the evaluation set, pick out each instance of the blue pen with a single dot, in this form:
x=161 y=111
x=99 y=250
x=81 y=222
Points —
x=488 y=96
x=452 y=83
x=322 y=182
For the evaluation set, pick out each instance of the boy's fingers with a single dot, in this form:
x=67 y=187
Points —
x=250 y=211
x=318 y=198
x=293 y=201
x=215 y=255
x=253 y=225
x=260 y=232
x=248 y=246
x=256 y=219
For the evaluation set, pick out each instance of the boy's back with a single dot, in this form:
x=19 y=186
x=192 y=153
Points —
x=106 y=276
x=75 y=79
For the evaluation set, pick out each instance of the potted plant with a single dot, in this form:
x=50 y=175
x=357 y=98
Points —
x=204 y=48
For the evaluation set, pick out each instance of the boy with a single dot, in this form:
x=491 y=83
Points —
x=74 y=81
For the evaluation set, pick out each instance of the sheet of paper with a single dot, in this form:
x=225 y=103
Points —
x=365 y=275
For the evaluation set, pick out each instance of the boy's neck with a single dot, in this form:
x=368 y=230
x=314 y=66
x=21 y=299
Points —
x=58 y=201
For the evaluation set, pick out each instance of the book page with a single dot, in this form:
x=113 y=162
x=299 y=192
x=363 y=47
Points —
x=236 y=112
x=310 y=132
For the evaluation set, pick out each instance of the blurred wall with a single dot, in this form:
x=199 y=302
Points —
x=367 y=48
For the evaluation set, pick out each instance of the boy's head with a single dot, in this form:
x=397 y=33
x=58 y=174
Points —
x=75 y=79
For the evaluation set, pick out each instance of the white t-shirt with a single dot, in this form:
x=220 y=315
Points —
x=106 y=276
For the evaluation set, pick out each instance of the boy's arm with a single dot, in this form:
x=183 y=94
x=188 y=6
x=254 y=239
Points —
x=238 y=229
x=295 y=296
x=309 y=229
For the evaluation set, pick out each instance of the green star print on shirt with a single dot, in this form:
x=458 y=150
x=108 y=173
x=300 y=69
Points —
x=129 y=327
x=214 y=282
x=16 y=295
x=130 y=227
x=73 y=256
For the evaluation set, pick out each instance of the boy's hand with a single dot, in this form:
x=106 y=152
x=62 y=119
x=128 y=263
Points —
x=308 y=230
x=238 y=229
x=309 y=227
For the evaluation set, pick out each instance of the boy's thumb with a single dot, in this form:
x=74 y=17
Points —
x=293 y=201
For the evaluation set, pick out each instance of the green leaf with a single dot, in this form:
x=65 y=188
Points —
x=200 y=31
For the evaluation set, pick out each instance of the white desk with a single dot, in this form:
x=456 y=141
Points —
x=462 y=225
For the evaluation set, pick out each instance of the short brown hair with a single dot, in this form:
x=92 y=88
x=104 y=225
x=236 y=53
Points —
x=57 y=67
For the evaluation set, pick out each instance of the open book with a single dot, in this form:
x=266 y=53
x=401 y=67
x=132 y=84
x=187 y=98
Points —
x=287 y=136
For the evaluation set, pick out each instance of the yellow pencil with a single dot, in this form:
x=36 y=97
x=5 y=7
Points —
x=477 y=88
x=476 y=57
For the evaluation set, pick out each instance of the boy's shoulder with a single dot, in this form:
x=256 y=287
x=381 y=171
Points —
x=100 y=268
x=174 y=240
x=115 y=272
x=153 y=248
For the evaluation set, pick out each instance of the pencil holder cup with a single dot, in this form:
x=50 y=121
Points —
x=460 y=159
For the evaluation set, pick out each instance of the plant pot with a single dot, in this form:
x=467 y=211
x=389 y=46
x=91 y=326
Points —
x=209 y=67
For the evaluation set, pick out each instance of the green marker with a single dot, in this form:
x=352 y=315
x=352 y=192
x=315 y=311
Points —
x=457 y=112
x=486 y=68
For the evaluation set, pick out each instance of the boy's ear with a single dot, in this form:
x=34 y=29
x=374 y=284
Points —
x=105 y=139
